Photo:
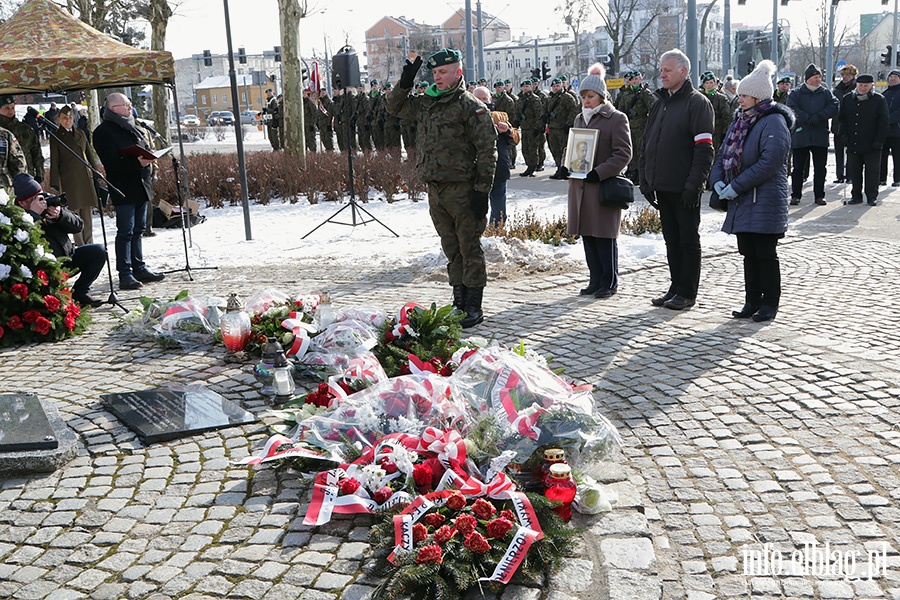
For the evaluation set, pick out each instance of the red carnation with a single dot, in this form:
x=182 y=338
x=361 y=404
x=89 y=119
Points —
x=419 y=532
x=446 y=371
x=51 y=302
x=477 y=543
x=465 y=524
x=72 y=309
x=422 y=475
x=456 y=501
x=14 y=322
x=30 y=316
x=349 y=485
x=42 y=275
x=508 y=515
x=42 y=326
x=444 y=534
x=404 y=368
x=383 y=494
x=389 y=466
x=434 y=519
x=1 y=331
x=322 y=388
x=498 y=528
x=345 y=386
x=429 y=554
x=69 y=321
x=483 y=509
x=20 y=290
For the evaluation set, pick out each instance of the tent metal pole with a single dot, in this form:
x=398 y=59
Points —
x=187 y=189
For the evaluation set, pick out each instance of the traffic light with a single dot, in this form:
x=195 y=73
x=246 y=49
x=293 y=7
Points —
x=207 y=58
x=611 y=64
x=535 y=73
x=886 y=56
x=742 y=2
x=545 y=71
x=242 y=56
x=751 y=64
x=304 y=73
x=784 y=2
x=277 y=56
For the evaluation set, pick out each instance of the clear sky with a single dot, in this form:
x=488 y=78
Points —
x=200 y=24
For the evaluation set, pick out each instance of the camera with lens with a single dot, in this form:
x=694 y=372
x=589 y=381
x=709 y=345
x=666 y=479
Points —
x=58 y=200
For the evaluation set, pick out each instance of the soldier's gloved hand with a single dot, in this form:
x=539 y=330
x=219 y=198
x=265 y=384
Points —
x=690 y=199
x=479 y=202
x=410 y=69
x=648 y=193
x=592 y=177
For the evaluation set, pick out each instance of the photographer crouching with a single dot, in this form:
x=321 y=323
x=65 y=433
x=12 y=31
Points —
x=58 y=222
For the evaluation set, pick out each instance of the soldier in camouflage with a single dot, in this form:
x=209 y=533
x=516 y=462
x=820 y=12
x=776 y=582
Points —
x=560 y=112
x=272 y=122
x=784 y=89
x=456 y=156
x=324 y=121
x=377 y=114
x=309 y=121
x=25 y=135
x=542 y=147
x=529 y=117
x=565 y=83
x=505 y=103
x=12 y=160
x=635 y=101
x=391 y=124
x=363 y=129
x=721 y=107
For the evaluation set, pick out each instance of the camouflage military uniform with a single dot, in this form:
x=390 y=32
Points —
x=309 y=123
x=635 y=101
x=530 y=118
x=561 y=111
x=505 y=103
x=272 y=125
x=779 y=96
x=363 y=129
x=29 y=144
x=12 y=160
x=456 y=155
x=542 y=146
x=722 y=109
x=324 y=117
x=391 y=123
x=377 y=118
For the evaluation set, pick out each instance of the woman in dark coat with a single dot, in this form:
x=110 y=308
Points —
x=69 y=175
x=598 y=225
x=750 y=172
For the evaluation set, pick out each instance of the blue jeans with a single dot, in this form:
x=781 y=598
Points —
x=131 y=219
x=498 y=201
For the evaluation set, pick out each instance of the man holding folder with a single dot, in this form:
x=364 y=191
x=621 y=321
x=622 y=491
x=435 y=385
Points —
x=113 y=140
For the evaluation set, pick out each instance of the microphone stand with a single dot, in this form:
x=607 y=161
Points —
x=50 y=127
x=185 y=216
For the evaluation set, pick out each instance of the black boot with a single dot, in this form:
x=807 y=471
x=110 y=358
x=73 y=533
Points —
x=529 y=172
x=474 y=316
x=765 y=313
x=459 y=297
x=747 y=311
x=561 y=173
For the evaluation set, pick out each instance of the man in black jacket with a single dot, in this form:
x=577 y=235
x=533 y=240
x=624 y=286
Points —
x=674 y=165
x=132 y=175
x=58 y=222
x=843 y=87
x=892 y=143
x=864 y=127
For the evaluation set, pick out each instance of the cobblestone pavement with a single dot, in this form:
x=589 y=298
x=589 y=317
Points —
x=739 y=437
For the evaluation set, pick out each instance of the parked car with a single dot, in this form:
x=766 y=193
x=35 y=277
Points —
x=248 y=117
x=190 y=120
x=220 y=117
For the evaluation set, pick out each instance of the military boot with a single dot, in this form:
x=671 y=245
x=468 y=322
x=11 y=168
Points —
x=474 y=316
x=459 y=297
x=529 y=172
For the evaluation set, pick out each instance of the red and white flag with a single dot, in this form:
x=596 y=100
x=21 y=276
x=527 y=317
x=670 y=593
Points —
x=315 y=81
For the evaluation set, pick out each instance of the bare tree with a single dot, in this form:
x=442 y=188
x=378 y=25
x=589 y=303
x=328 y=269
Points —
x=158 y=14
x=290 y=12
x=619 y=20
x=575 y=13
x=812 y=45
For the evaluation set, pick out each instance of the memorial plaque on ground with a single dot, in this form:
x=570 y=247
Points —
x=24 y=425
x=161 y=415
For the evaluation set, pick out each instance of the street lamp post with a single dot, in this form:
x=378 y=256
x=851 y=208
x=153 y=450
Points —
x=829 y=57
x=701 y=61
x=726 y=42
x=775 y=34
x=242 y=169
x=690 y=39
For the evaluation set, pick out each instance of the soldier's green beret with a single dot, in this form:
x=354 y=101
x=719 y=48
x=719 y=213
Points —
x=422 y=84
x=373 y=82
x=628 y=75
x=445 y=56
x=555 y=81
x=498 y=83
x=563 y=78
x=785 y=79
x=707 y=76
x=482 y=80
x=388 y=85
x=636 y=73
x=525 y=82
x=505 y=81
x=4 y=100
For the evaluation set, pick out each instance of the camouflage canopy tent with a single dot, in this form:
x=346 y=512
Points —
x=45 y=49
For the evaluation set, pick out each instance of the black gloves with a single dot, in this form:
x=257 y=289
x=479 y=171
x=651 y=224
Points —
x=592 y=177
x=39 y=178
x=690 y=199
x=479 y=202
x=410 y=69
x=648 y=193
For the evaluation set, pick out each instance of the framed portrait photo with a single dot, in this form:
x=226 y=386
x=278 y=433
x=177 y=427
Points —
x=580 y=150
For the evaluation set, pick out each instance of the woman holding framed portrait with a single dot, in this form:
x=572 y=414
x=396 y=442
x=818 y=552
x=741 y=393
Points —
x=599 y=148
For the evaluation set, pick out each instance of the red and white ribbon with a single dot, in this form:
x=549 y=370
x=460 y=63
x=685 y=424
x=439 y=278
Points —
x=301 y=331
x=402 y=327
x=275 y=450
x=525 y=422
x=447 y=445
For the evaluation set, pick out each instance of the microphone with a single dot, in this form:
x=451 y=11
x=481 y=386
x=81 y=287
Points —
x=148 y=128
x=47 y=123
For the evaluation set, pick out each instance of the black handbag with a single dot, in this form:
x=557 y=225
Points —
x=617 y=192
x=717 y=203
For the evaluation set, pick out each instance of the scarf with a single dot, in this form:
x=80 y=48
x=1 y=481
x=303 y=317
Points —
x=733 y=146
x=126 y=123
x=588 y=113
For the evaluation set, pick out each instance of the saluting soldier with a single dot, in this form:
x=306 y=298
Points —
x=324 y=120
x=635 y=101
x=456 y=158
x=530 y=119
x=508 y=88
x=721 y=107
x=309 y=120
x=561 y=112
x=568 y=88
x=28 y=140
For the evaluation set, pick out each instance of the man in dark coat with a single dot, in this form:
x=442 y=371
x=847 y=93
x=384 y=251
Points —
x=846 y=85
x=813 y=105
x=57 y=222
x=675 y=163
x=274 y=121
x=28 y=140
x=864 y=126
x=132 y=175
x=892 y=142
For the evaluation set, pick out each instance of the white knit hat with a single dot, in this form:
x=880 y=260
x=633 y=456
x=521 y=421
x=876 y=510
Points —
x=758 y=84
x=594 y=80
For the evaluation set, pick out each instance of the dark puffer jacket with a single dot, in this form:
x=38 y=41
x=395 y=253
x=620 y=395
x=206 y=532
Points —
x=892 y=96
x=762 y=185
x=812 y=111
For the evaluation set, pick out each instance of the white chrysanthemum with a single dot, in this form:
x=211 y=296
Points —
x=2 y=250
x=404 y=459
x=4 y=271
x=372 y=477
x=367 y=419
x=25 y=271
x=20 y=235
x=403 y=425
x=28 y=219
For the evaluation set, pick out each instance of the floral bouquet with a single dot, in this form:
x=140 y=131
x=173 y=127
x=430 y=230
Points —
x=430 y=334
x=289 y=319
x=182 y=321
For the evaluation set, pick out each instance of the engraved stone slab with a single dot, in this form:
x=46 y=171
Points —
x=23 y=424
x=161 y=415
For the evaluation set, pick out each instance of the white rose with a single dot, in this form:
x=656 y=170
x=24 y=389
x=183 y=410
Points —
x=4 y=271
x=4 y=220
x=25 y=271
x=2 y=250
x=20 y=235
x=28 y=219
x=591 y=498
